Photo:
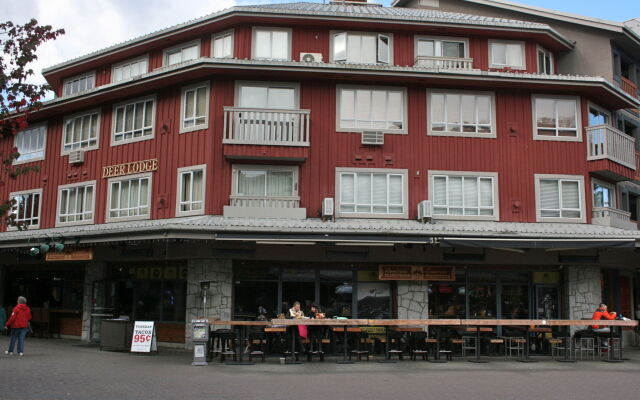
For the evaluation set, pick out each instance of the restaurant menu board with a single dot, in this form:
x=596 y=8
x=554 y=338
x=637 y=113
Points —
x=416 y=273
x=144 y=337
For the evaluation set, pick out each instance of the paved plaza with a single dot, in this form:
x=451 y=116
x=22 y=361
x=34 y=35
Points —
x=61 y=369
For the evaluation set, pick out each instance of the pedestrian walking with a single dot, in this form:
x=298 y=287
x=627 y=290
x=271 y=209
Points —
x=19 y=324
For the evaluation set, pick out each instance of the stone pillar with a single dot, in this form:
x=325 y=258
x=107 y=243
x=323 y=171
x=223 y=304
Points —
x=413 y=300
x=584 y=292
x=218 y=273
x=92 y=272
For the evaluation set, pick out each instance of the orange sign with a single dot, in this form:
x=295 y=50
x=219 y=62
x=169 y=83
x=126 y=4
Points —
x=416 y=273
x=70 y=255
x=135 y=167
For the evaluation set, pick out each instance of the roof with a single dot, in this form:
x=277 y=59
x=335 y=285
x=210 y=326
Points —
x=327 y=10
x=210 y=225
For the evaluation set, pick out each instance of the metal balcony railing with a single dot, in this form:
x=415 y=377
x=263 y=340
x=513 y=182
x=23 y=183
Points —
x=606 y=142
x=266 y=126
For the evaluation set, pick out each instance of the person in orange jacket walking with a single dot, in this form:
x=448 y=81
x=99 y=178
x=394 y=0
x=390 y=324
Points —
x=19 y=324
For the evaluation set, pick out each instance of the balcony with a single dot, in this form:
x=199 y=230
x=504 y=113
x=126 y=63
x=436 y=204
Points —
x=464 y=64
x=607 y=143
x=255 y=126
x=265 y=207
x=607 y=216
x=631 y=88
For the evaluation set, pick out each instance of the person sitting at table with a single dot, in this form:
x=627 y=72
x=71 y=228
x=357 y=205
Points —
x=295 y=311
x=602 y=313
x=316 y=333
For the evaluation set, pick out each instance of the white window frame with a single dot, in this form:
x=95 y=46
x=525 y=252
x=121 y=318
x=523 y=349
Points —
x=405 y=112
x=271 y=29
x=393 y=171
x=473 y=174
x=153 y=98
x=501 y=66
x=121 y=64
x=91 y=74
x=591 y=105
x=377 y=35
x=577 y=138
x=494 y=129
x=40 y=127
x=440 y=39
x=581 y=193
x=236 y=168
x=98 y=111
x=292 y=85
x=127 y=178
x=540 y=49
x=93 y=203
x=610 y=186
x=205 y=125
x=229 y=32
x=23 y=192
x=181 y=47
x=203 y=168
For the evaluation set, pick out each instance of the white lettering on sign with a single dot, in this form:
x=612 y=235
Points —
x=144 y=337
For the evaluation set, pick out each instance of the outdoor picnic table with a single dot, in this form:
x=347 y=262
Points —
x=241 y=326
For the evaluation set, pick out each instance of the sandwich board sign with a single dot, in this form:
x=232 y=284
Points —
x=144 y=337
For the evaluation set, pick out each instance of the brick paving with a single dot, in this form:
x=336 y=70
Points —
x=61 y=369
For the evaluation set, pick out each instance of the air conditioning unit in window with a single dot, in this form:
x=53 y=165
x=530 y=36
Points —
x=425 y=211
x=373 y=138
x=327 y=208
x=76 y=157
x=311 y=57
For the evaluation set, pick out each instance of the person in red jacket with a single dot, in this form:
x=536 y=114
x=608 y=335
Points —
x=19 y=324
x=602 y=313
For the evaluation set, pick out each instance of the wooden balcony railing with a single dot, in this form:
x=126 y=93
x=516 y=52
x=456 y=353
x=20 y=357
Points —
x=444 y=62
x=631 y=88
x=606 y=142
x=607 y=216
x=264 y=201
x=266 y=126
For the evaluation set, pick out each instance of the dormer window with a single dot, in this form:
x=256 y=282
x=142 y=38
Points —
x=184 y=52
x=79 y=84
x=506 y=54
x=130 y=69
x=271 y=44
x=361 y=48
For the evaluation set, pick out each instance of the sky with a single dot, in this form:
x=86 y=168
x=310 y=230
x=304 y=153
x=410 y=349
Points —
x=91 y=25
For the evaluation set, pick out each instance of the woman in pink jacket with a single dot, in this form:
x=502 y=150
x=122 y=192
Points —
x=19 y=324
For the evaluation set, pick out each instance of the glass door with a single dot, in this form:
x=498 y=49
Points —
x=547 y=302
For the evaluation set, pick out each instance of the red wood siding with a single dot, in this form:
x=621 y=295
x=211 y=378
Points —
x=514 y=155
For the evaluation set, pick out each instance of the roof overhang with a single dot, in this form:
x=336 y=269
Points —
x=508 y=243
x=608 y=95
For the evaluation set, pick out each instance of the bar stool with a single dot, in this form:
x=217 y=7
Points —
x=419 y=346
x=556 y=347
x=494 y=343
x=257 y=342
x=227 y=345
x=517 y=344
x=455 y=342
x=584 y=344
x=395 y=345
x=469 y=343
x=360 y=337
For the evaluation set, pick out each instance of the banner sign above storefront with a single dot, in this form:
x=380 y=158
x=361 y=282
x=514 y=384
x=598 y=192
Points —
x=135 y=167
x=70 y=255
x=144 y=337
x=416 y=273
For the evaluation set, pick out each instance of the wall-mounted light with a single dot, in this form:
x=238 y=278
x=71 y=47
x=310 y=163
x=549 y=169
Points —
x=48 y=245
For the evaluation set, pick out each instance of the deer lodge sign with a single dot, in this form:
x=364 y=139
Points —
x=135 y=167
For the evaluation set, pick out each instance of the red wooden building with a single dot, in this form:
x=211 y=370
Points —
x=288 y=152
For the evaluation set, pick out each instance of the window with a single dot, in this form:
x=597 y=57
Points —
x=462 y=195
x=222 y=45
x=361 y=108
x=371 y=193
x=130 y=69
x=361 y=48
x=129 y=198
x=598 y=116
x=559 y=198
x=261 y=181
x=133 y=121
x=461 y=114
x=31 y=143
x=506 y=54
x=81 y=132
x=545 y=61
x=604 y=195
x=191 y=190
x=76 y=204
x=556 y=118
x=272 y=44
x=441 y=47
x=79 y=84
x=195 y=107
x=26 y=210
x=270 y=95
x=182 y=53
